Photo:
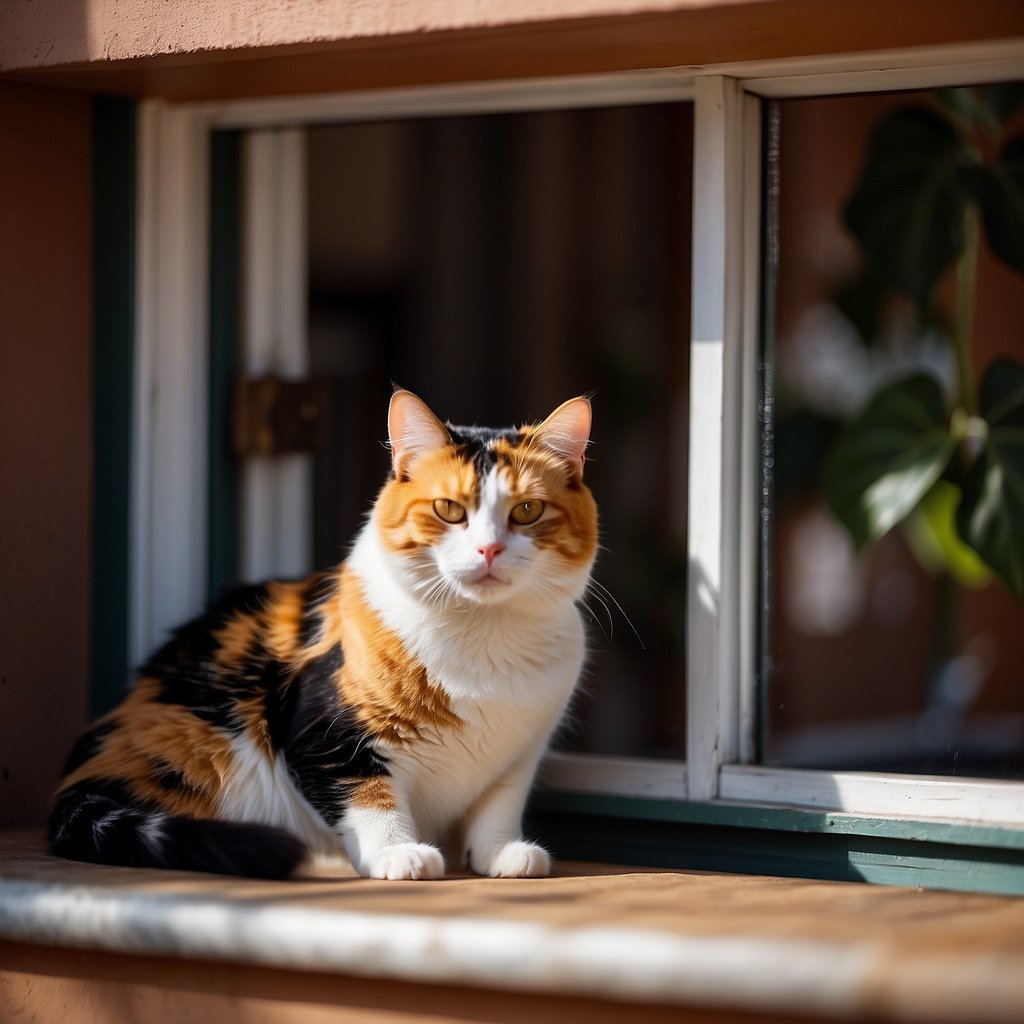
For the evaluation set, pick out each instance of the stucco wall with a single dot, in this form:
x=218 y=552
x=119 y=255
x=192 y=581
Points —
x=45 y=439
x=39 y=33
x=205 y=49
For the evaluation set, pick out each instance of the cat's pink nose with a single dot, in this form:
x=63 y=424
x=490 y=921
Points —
x=491 y=552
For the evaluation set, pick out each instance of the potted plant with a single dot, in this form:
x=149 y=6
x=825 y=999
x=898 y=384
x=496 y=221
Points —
x=936 y=178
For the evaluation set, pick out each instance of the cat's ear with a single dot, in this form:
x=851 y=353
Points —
x=412 y=430
x=566 y=432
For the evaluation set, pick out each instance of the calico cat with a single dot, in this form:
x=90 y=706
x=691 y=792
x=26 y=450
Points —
x=400 y=702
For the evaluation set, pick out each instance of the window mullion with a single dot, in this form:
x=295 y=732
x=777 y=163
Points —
x=713 y=605
x=749 y=417
x=276 y=490
x=168 y=544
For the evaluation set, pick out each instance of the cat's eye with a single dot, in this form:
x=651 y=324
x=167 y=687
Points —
x=527 y=512
x=449 y=511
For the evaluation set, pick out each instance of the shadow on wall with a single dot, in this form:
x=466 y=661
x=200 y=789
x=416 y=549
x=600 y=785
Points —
x=45 y=438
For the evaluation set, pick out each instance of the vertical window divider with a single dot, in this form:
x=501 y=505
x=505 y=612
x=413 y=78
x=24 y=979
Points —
x=169 y=415
x=749 y=418
x=276 y=490
x=715 y=523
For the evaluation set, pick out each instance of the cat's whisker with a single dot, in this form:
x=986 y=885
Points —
x=439 y=594
x=357 y=750
x=600 y=589
x=426 y=589
x=608 y=633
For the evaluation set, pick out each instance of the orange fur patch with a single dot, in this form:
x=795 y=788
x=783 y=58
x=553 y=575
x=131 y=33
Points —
x=376 y=794
x=235 y=639
x=386 y=685
x=406 y=507
x=570 y=526
x=283 y=619
x=152 y=737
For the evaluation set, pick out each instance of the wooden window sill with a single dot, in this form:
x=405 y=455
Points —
x=733 y=945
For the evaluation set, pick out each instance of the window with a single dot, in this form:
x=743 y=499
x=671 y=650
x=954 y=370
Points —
x=498 y=263
x=727 y=780
x=887 y=662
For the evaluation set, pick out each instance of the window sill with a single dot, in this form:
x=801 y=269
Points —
x=755 y=945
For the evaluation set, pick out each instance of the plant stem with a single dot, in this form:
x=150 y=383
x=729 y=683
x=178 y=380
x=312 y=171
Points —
x=966 y=291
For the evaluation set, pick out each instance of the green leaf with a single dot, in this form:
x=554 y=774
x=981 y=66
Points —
x=889 y=457
x=986 y=108
x=864 y=301
x=967 y=106
x=872 y=308
x=991 y=516
x=1000 y=191
x=907 y=208
x=931 y=533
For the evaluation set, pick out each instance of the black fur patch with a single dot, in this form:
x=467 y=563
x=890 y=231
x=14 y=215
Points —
x=327 y=749
x=325 y=745
x=169 y=778
x=89 y=744
x=102 y=823
x=476 y=444
x=189 y=674
x=321 y=590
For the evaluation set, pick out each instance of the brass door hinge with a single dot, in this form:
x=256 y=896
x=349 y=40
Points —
x=273 y=416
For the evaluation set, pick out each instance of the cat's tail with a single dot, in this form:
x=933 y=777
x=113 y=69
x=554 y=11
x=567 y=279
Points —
x=100 y=823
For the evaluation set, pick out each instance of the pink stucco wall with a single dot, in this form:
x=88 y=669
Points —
x=45 y=33
x=45 y=439
x=194 y=49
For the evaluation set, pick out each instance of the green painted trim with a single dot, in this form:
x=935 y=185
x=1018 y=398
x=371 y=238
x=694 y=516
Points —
x=788 y=842
x=113 y=254
x=225 y=359
x=842 y=858
x=788 y=819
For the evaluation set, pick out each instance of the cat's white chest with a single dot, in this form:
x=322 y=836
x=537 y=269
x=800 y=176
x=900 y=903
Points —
x=509 y=695
x=493 y=653
x=442 y=779
x=506 y=671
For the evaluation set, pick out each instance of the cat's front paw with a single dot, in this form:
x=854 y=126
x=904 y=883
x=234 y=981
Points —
x=518 y=859
x=410 y=861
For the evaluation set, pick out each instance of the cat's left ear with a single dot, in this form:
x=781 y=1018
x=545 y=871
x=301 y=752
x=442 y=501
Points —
x=566 y=432
x=412 y=430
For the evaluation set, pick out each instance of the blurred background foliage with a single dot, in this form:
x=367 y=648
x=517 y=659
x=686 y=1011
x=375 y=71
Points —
x=942 y=458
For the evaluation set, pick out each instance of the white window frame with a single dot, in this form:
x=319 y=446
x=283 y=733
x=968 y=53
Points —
x=276 y=528
x=169 y=463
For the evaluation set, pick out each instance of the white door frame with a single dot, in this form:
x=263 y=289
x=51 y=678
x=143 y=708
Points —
x=276 y=529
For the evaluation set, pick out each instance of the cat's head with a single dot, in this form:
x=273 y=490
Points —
x=486 y=516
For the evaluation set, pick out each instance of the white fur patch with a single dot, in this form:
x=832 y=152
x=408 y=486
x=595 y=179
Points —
x=519 y=860
x=382 y=844
x=101 y=824
x=260 y=789
x=152 y=833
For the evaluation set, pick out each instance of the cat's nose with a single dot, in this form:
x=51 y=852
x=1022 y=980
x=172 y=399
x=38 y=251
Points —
x=491 y=552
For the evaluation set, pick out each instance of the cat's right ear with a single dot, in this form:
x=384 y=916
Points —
x=566 y=432
x=412 y=430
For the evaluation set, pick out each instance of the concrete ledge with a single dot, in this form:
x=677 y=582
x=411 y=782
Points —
x=718 y=942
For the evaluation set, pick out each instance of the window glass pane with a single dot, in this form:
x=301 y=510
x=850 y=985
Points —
x=498 y=265
x=887 y=660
